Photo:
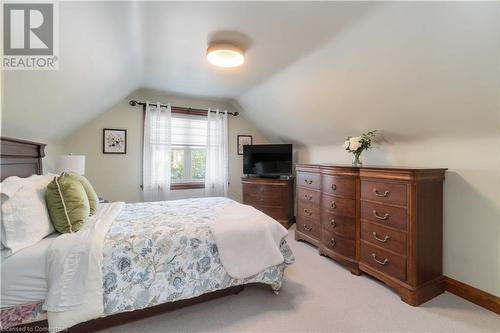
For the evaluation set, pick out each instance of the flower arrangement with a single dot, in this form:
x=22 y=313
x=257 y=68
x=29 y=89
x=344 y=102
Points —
x=357 y=144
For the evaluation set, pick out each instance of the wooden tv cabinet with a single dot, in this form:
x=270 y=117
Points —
x=386 y=222
x=273 y=196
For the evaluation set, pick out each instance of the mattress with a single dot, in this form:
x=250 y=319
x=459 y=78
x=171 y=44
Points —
x=24 y=274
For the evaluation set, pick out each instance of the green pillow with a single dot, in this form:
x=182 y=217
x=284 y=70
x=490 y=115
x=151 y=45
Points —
x=67 y=203
x=91 y=195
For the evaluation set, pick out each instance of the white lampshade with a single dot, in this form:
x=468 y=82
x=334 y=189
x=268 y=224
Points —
x=72 y=163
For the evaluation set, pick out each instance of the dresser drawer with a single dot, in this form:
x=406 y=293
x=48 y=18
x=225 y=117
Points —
x=308 y=196
x=336 y=185
x=386 y=215
x=339 y=225
x=277 y=213
x=263 y=191
x=384 y=237
x=385 y=192
x=308 y=180
x=384 y=261
x=339 y=244
x=338 y=206
x=267 y=200
x=308 y=227
x=308 y=211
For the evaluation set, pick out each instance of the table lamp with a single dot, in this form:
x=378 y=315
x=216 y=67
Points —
x=71 y=163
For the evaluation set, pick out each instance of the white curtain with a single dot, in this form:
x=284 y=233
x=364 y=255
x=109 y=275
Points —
x=216 y=173
x=157 y=152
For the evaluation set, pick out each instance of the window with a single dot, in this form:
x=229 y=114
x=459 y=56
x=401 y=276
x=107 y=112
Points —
x=189 y=136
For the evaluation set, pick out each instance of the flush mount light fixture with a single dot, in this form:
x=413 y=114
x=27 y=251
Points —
x=225 y=55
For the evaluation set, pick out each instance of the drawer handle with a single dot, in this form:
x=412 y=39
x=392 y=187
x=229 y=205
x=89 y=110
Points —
x=332 y=222
x=333 y=205
x=378 y=194
x=383 y=263
x=334 y=187
x=308 y=212
x=332 y=241
x=385 y=217
x=386 y=238
x=307 y=228
x=308 y=197
x=308 y=181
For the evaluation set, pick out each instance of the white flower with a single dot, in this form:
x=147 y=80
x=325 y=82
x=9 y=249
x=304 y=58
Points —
x=346 y=144
x=354 y=143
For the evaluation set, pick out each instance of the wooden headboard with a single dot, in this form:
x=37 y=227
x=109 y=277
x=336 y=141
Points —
x=20 y=157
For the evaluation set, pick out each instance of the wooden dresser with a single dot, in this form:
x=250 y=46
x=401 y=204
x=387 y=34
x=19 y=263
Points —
x=272 y=196
x=386 y=222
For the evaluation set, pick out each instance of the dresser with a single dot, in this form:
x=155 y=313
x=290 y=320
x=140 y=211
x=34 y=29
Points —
x=272 y=196
x=382 y=221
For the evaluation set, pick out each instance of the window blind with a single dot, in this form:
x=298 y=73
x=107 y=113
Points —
x=189 y=130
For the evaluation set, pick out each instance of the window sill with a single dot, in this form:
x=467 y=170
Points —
x=186 y=186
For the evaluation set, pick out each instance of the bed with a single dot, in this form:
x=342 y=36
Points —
x=155 y=257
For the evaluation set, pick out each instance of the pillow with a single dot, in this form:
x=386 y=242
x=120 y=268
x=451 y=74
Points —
x=25 y=219
x=68 y=204
x=89 y=190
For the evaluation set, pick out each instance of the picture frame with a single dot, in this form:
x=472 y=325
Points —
x=242 y=141
x=114 y=141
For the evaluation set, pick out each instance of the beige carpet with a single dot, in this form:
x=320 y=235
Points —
x=319 y=295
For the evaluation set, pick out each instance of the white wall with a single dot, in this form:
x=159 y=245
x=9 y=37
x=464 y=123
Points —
x=118 y=177
x=427 y=75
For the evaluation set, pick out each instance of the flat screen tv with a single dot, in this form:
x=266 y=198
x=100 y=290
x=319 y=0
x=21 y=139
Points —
x=267 y=160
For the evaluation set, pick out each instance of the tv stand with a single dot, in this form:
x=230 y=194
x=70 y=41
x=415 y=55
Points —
x=272 y=196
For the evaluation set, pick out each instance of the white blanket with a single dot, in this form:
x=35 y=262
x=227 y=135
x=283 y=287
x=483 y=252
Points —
x=74 y=273
x=248 y=240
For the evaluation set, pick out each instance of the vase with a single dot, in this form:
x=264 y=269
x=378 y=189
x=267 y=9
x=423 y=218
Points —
x=356 y=161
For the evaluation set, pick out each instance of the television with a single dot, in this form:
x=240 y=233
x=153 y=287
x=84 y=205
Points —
x=267 y=160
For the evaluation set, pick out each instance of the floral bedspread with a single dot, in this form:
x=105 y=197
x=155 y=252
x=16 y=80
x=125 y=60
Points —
x=22 y=314
x=159 y=252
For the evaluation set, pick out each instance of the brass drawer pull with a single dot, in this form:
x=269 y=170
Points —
x=334 y=187
x=307 y=212
x=386 y=238
x=385 y=217
x=308 y=181
x=308 y=197
x=307 y=228
x=378 y=194
x=332 y=222
x=333 y=205
x=332 y=241
x=383 y=263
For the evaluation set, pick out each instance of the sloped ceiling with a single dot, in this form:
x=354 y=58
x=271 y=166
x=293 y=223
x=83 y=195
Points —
x=175 y=37
x=98 y=67
x=417 y=71
x=109 y=49
x=312 y=68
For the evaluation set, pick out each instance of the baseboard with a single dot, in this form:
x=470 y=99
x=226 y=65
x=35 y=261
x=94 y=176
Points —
x=474 y=295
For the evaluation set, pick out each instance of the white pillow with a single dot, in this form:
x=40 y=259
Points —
x=25 y=218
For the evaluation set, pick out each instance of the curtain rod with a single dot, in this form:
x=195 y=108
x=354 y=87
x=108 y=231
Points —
x=181 y=109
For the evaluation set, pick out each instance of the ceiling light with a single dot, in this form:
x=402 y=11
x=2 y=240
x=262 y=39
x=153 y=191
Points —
x=225 y=55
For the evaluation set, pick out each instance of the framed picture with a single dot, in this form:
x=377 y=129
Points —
x=114 y=141
x=242 y=141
